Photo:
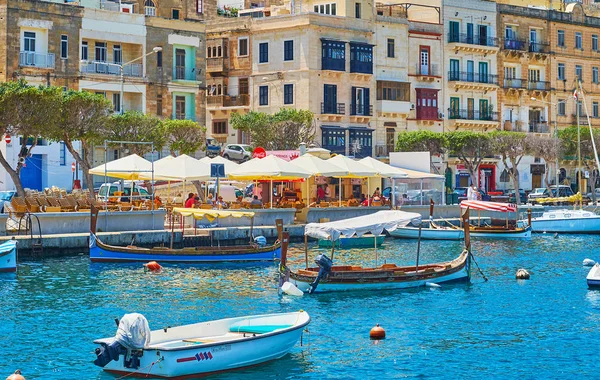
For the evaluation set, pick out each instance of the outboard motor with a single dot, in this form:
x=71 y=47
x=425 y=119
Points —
x=261 y=241
x=132 y=336
x=325 y=265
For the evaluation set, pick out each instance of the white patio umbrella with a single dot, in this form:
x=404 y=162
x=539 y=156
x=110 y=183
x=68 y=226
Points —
x=382 y=168
x=318 y=167
x=182 y=168
x=132 y=167
x=229 y=165
x=355 y=169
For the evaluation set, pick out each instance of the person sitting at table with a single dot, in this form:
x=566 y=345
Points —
x=197 y=202
x=209 y=200
x=377 y=193
x=157 y=202
x=256 y=201
x=239 y=199
x=327 y=193
x=320 y=194
x=177 y=199
x=189 y=202
x=221 y=204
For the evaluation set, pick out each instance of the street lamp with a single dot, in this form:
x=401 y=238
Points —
x=155 y=49
x=555 y=131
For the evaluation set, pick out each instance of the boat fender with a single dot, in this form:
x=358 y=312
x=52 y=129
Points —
x=432 y=285
x=261 y=241
x=152 y=266
x=291 y=289
x=16 y=376
x=325 y=265
x=522 y=274
x=588 y=263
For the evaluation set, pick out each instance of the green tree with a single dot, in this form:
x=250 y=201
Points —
x=568 y=142
x=136 y=127
x=29 y=112
x=183 y=136
x=548 y=149
x=470 y=147
x=422 y=141
x=283 y=130
x=512 y=147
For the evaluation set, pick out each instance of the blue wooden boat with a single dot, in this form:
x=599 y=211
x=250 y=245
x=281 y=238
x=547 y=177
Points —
x=101 y=252
x=365 y=241
x=8 y=256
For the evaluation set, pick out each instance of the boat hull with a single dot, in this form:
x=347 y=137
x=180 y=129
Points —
x=365 y=241
x=384 y=278
x=521 y=233
x=571 y=226
x=428 y=233
x=8 y=256
x=593 y=277
x=100 y=252
x=201 y=359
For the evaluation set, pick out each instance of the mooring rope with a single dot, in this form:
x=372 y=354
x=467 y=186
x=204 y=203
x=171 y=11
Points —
x=141 y=369
x=478 y=268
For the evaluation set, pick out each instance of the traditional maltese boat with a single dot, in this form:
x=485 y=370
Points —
x=365 y=241
x=198 y=349
x=328 y=277
x=255 y=250
x=434 y=232
x=8 y=256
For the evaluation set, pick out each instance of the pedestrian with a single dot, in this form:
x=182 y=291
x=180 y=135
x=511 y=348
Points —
x=472 y=193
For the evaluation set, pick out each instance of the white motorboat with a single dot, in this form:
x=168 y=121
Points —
x=8 y=256
x=567 y=221
x=435 y=232
x=593 y=277
x=198 y=349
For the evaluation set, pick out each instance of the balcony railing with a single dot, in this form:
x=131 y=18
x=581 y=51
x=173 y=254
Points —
x=473 y=115
x=96 y=67
x=361 y=67
x=515 y=83
x=228 y=100
x=471 y=39
x=333 y=108
x=396 y=11
x=538 y=47
x=431 y=70
x=184 y=73
x=539 y=86
x=514 y=44
x=539 y=127
x=361 y=109
x=31 y=59
x=463 y=76
x=337 y=64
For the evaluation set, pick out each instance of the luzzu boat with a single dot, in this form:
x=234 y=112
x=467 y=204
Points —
x=101 y=252
x=508 y=230
x=198 y=349
x=8 y=256
x=365 y=241
x=328 y=277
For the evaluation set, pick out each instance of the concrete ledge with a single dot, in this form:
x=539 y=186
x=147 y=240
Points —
x=262 y=217
x=315 y=214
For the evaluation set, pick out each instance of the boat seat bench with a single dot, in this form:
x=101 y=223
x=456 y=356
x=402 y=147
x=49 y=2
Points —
x=261 y=329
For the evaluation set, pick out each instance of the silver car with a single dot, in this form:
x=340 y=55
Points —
x=237 y=152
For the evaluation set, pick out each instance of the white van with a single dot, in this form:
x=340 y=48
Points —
x=111 y=188
x=228 y=192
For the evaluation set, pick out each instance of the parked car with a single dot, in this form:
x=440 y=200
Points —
x=461 y=193
x=5 y=197
x=537 y=193
x=513 y=199
x=228 y=192
x=563 y=191
x=111 y=188
x=597 y=192
x=237 y=152
x=213 y=149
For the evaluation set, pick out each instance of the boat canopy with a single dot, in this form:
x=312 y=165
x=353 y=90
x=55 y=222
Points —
x=375 y=223
x=211 y=215
x=489 y=206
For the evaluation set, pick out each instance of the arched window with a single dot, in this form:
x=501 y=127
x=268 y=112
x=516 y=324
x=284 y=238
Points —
x=214 y=52
x=219 y=90
x=209 y=52
x=219 y=51
x=149 y=8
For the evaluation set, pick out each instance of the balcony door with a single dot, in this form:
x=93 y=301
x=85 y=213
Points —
x=29 y=48
x=470 y=37
x=329 y=98
x=180 y=64
x=427 y=107
x=470 y=71
x=424 y=60
x=470 y=108
x=100 y=57
x=454 y=108
x=533 y=39
x=454 y=30
x=483 y=72
x=360 y=101
x=454 y=69
x=484 y=109
x=483 y=35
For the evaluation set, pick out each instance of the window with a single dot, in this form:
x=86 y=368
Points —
x=578 y=41
x=243 y=47
x=595 y=75
x=244 y=87
x=361 y=58
x=288 y=50
x=326 y=9
x=29 y=41
x=391 y=48
x=219 y=127
x=454 y=34
x=199 y=6
x=594 y=109
x=180 y=107
x=510 y=72
x=357 y=10
x=175 y=14
x=100 y=51
x=263 y=52
x=334 y=139
x=580 y=108
x=63 y=152
x=179 y=63
x=594 y=42
x=561 y=38
x=288 y=94
x=263 y=95
x=562 y=107
x=117 y=54
x=159 y=59
x=561 y=71
x=579 y=72
x=64 y=46
x=333 y=55
x=149 y=8
x=361 y=142
x=361 y=103
x=427 y=108
x=84 y=50
x=534 y=75
x=116 y=99
x=159 y=105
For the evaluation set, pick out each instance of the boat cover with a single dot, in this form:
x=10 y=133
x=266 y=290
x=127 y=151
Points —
x=489 y=206
x=133 y=332
x=211 y=215
x=8 y=246
x=375 y=223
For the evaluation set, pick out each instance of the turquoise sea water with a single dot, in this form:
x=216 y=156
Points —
x=547 y=327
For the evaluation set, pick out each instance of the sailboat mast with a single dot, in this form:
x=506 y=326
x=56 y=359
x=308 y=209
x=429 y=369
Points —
x=587 y=114
x=578 y=148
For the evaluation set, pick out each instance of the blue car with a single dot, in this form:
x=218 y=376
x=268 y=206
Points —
x=213 y=149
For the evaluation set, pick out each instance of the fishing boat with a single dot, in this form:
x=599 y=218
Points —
x=508 y=229
x=567 y=221
x=365 y=241
x=593 y=277
x=434 y=232
x=253 y=251
x=198 y=349
x=328 y=277
x=8 y=256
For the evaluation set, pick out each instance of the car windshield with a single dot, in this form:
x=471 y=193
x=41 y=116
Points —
x=539 y=190
x=247 y=148
x=6 y=195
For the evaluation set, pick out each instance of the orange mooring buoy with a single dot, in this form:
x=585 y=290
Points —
x=153 y=266
x=16 y=376
x=377 y=332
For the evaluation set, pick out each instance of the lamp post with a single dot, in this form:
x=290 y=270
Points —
x=555 y=132
x=122 y=74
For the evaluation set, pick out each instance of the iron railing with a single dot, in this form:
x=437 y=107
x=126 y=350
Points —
x=361 y=109
x=515 y=83
x=472 y=39
x=32 y=59
x=473 y=115
x=464 y=76
x=98 y=67
x=333 y=108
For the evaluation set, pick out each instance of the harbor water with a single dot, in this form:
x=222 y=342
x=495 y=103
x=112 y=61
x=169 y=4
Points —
x=546 y=327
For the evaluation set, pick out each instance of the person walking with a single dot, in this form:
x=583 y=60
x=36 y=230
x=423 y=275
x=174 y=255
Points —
x=472 y=193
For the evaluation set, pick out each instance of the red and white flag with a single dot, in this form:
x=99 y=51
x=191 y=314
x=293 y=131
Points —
x=575 y=95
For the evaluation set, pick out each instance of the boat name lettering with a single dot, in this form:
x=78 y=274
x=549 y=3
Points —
x=225 y=347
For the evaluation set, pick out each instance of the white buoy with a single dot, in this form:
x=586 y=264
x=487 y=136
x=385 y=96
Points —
x=291 y=289
x=433 y=285
x=588 y=263
x=522 y=274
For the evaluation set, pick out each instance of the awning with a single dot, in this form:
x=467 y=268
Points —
x=375 y=223
x=489 y=206
x=211 y=215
